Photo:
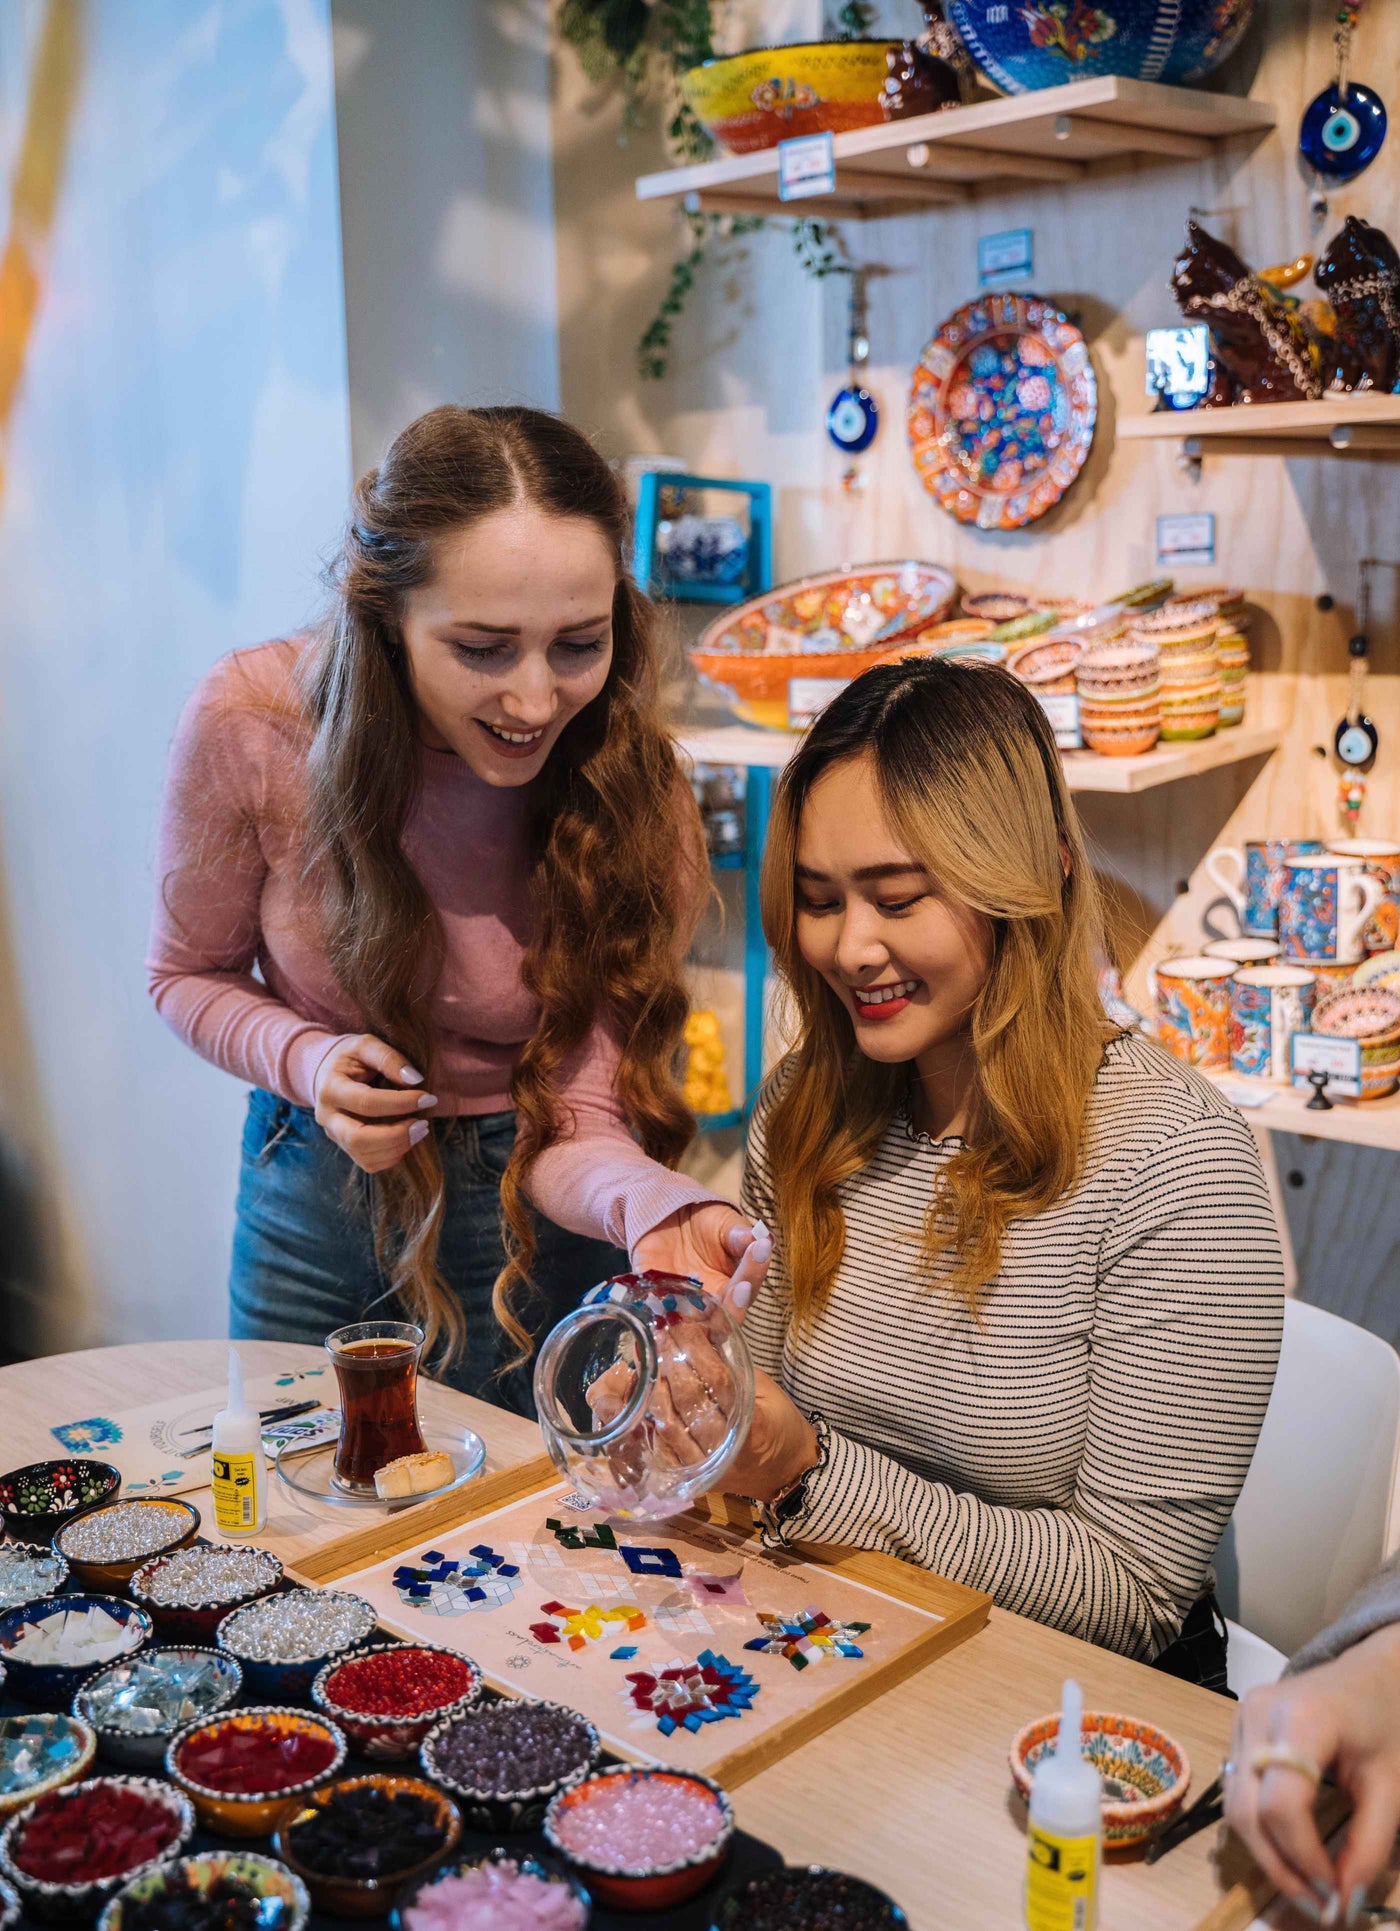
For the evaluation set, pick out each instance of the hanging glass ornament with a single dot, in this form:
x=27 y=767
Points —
x=853 y=415
x=1344 y=128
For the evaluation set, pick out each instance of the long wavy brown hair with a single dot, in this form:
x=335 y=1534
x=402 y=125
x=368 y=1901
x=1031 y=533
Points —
x=971 y=783
x=611 y=827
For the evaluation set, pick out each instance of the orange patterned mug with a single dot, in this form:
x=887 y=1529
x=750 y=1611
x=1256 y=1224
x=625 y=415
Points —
x=1193 y=1009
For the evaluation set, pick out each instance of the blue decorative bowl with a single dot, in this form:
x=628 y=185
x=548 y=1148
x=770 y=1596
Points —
x=288 y=1682
x=1045 y=43
x=53 y=1684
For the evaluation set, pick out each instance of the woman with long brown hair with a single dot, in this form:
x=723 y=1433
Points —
x=1024 y=1309
x=449 y=832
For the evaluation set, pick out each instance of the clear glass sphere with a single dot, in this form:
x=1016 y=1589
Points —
x=645 y=1394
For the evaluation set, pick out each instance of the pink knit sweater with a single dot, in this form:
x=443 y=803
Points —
x=231 y=899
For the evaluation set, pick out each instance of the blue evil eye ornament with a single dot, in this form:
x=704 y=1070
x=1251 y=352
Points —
x=1339 y=137
x=852 y=420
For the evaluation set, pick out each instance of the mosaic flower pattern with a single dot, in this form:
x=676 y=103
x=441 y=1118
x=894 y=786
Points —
x=439 y=1586
x=690 y=1695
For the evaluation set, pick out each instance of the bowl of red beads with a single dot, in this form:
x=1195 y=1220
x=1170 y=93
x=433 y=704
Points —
x=386 y=1698
x=244 y=1771
x=356 y=1842
x=644 y=1840
x=211 y=1891
x=71 y=1849
x=504 y=1761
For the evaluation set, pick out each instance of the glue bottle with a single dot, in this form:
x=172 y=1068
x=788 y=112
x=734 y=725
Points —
x=239 y=1468
x=1064 y=1831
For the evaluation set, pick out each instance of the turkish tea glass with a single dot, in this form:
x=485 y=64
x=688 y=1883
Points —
x=376 y=1364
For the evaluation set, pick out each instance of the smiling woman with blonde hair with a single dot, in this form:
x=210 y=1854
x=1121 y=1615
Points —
x=1024 y=1310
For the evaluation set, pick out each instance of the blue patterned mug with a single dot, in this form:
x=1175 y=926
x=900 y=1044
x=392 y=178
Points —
x=1252 y=877
x=1268 y=1004
x=1326 y=907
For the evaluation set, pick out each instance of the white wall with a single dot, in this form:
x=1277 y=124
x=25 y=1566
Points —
x=177 y=464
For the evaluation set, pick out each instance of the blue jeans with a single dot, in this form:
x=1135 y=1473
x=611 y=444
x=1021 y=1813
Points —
x=303 y=1245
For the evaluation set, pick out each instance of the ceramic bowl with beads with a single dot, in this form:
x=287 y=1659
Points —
x=643 y=1840
x=40 y=1753
x=189 y=1591
x=246 y=1770
x=815 y=1898
x=70 y=1850
x=39 y=1498
x=49 y=1647
x=518 y=1880
x=279 y=1899
x=9 y=1905
x=105 y=1547
x=137 y=1705
x=356 y=1842
x=387 y=1697
x=503 y=1762
x=1145 y=1773
x=283 y=1642
x=29 y=1571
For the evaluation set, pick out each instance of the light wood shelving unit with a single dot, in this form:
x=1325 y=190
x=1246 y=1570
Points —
x=1357 y=425
x=1365 y=1123
x=1054 y=136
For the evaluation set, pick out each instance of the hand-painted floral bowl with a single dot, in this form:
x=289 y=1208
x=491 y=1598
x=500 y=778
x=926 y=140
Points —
x=996 y=606
x=252 y=1813
x=621 y=1886
x=40 y=1753
x=1370 y=1013
x=199 y=1682
x=28 y=1573
x=1131 y=739
x=283 y=1904
x=1042 y=44
x=341 y=1895
x=198 y=1622
x=53 y=1684
x=955 y=630
x=528 y=1862
x=800 y=1893
x=1381 y=969
x=174 y=1523
x=769 y=94
x=831 y=626
x=39 y=1498
x=1145 y=1772
x=81 y=1896
x=1047 y=667
x=1114 y=670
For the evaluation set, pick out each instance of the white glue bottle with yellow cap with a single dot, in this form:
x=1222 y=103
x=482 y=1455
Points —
x=239 y=1468
x=1064 y=1834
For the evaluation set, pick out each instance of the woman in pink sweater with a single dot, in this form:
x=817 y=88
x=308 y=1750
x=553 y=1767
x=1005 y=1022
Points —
x=427 y=878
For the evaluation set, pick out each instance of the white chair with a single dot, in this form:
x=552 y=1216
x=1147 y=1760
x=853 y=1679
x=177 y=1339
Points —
x=1318 y=1512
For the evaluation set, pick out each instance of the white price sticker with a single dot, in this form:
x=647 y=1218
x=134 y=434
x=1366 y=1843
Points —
x=1063 y=712
x=806 y=166
x=1340 y=1059
x=808 y=697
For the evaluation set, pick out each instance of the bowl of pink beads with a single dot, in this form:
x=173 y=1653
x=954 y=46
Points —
x=644 y=1840
x=500 y=1890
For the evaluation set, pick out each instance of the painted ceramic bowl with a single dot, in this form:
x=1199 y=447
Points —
x=342 y=1895
x=9 y=1905
x=1381 y=969
x=1115 y=670
x=1131 y=740
x=769 y=94
x=39 y=1498
x=40 y=1753
x=137 y=1705
x=1370 y=1013
x=192 y=1619
x=1145 y=1772
x=656 y=1886
x=804 y=1896
x=831 y=626
x=253 y=1813
x=284 y=1681
x=955 y=630
x=1047 y=667
x=1226 y=600
x=283 y=1903
x=29 y=1571
x=1189 y=727
x=1021 y=49
x=52 y=1684
x=486 y=1806
x=529 y=1863
x=390 y=1735
x=82 y=1896
x=1139 y=712
x=164 y=1523
x=996 y=606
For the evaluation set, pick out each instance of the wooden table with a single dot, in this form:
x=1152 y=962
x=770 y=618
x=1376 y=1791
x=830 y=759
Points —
x=912 y=1792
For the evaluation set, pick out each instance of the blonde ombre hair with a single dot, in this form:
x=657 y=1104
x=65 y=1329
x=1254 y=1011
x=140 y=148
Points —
x=971 y=782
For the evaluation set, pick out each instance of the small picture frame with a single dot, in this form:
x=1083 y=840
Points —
x=1179 y=366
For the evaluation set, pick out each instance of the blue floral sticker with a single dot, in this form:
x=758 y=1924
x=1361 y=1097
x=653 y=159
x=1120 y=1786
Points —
x=81 y=1437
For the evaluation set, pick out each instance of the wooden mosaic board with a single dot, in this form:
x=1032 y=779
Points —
x=544 y=1612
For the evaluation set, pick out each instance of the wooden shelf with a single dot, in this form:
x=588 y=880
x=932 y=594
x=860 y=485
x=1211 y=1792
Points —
x=1363 y=425
x=1053 y=136
x=1085 y=771
x=1366 y=1123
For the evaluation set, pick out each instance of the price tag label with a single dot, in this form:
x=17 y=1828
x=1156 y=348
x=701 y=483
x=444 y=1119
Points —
x=1063 y=713
x=806 y=166
x=1189 y=538
x=1340 y=1059
x=808 y=697
x=1004 y=258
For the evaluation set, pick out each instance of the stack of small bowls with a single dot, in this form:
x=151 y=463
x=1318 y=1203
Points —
x=1120 y=699
x=1048 y=666
x=1370 y=1015
x=1185 y=636
x=1231 y=645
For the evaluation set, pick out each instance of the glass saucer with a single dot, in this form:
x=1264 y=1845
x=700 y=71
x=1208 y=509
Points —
x=309 y=1472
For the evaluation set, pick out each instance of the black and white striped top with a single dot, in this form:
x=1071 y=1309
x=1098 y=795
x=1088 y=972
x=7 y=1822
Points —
x=1077 y=1448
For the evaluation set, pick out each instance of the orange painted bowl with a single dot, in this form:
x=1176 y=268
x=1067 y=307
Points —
x=1047 y=666
x=1138 y=717
x=342 y=1894
x=162 y=1523
x=575 y=1828
x=232 y=1812
x=1145 y=1772
x=1189 y=727
x=955 y=630
x=831 y=626
x=769 y=94
x=1203 y=692
x=1124 y=705
x=1131 y=740
x=187 y=1615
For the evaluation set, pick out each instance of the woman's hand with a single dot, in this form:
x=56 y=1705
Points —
x=782 y=1445
x=705 y=1241
x=1344 y=1717
x=375 y=1125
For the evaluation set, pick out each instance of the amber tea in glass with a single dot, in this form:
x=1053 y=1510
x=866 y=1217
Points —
x=376 y=1364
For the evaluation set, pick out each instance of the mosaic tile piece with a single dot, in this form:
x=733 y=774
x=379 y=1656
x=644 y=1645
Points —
x=690 y=1695
x=437 y=1585
x=652 y=1562
x=707 y=1589
x=807 y=1637
x=577 y=1628
x=580 y=1535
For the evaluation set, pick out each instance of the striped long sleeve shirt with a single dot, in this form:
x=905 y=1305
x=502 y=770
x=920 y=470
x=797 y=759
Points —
x=1076 y=1447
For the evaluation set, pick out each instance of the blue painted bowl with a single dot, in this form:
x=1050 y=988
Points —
x=285 y=1682
x=1045 y=43
x=53 y=1684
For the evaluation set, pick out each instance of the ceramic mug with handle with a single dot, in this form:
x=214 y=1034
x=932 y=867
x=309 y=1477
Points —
x=1381 y=857
x=1242 y=951
x=1327 y=904
x=1252 y=877
x=1268 y=1004
x=1192 y=997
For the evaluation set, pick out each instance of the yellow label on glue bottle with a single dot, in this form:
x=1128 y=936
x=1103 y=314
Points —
x=1064 y=1827
x=1061 y=1882
x=235 y=1484
x=239 y=1472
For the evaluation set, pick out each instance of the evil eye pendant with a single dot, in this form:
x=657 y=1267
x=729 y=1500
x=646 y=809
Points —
x=1339 y=137
x=852 y=420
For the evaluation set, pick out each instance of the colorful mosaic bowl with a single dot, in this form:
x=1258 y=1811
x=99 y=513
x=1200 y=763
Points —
x=252 y=1813
x=198 y=1622
x=390 y=1738
x=41 y=1753
x=769 y=94
x=1047 y=667
x=1370 y=1013
x=512 y=1810
x=52 y=1684
x=270 y=1882
x=367 y=1897
x=1042 y=44
x=82 y=1898
x=145 y=1749
x=1145 y=1772
x=835 y=625
x=38 y=1499
x=531 y=1863
x=181 y=1524
x=654 y=1887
